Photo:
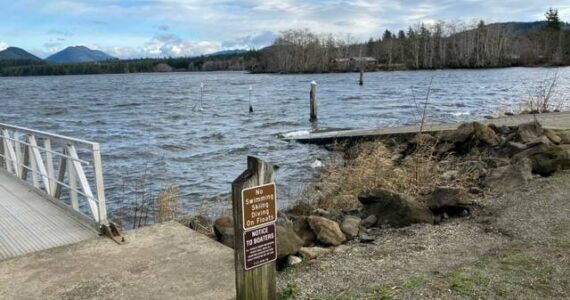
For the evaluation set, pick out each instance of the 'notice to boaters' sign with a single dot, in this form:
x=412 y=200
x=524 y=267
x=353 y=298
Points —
x=260 y=246
x=259 y=206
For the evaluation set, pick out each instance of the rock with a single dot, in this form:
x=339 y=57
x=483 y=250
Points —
x=198 y=223
x=350 y=226
x=538 y=141
x=450 y=175
x=546 y=159
x=485 y=134
x=288 y=243
x=564 y=137
x=224 y=230
x=366 y=238
x=369 y=221
x=304 y=231
x=313 y=252
x=395 y=209
x=448 y=200
x=321 y=212
x=328 y=232
x=293 y=260
x=513 y=148
x=529 y=131
x=507 y=178
x=468 y=135
x=475 y=190
x=341 y=249
x=552 y=136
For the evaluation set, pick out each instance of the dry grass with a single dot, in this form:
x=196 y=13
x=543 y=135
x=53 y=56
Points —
x=374 y=165
x=169 y=204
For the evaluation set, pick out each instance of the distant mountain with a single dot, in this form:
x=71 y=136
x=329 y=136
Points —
x=14 y=53
x=79 y=54
x=235 y=52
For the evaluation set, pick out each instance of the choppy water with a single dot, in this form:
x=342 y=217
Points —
x=147 y=122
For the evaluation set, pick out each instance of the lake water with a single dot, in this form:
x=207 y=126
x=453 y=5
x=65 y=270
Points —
x=146 y=122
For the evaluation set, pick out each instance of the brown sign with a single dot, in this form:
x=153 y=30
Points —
x=259 y=205
x=260 y=246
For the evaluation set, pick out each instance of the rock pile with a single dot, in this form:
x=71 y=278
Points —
x=507 y=158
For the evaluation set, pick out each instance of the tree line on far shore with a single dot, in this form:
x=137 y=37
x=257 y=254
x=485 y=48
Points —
x=422 y=46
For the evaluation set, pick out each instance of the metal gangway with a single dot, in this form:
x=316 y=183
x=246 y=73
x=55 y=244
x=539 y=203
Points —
x=51 y=191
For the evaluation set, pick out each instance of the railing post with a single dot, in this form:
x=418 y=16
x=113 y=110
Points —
x=49 y=166
x=3 y=151
x=100 y=185
x=33 y=163
x=72 y=178
x=18 y=148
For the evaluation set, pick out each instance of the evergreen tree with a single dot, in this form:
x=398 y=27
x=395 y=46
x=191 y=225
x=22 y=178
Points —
x=553 y=20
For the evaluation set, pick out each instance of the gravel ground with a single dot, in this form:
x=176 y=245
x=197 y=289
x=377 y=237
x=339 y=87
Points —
x=514 y=246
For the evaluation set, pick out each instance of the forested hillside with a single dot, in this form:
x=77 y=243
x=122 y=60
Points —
x=423 y=46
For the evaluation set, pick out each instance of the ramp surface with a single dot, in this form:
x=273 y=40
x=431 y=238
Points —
x=550 y=120
x=30 y=223
x=167 y=261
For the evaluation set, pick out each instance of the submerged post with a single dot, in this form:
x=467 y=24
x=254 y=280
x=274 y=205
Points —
x=250 y=106
x=255 y=212
x=361 y=76
x=313 y=99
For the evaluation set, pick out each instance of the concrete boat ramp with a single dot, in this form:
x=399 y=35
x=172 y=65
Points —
x=167 y=261
x=550 y=120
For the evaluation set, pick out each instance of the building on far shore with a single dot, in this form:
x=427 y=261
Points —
x=351 y=64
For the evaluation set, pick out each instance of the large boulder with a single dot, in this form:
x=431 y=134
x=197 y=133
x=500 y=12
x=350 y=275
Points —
x=564 y=136
x=468 y=135
x=313 y=252
x=394 y=208
x=328 y=232
x=545 y=158
x=224 y=230
x=449 y=200
x=485 y=134
x=510 y=177
x=304 y=231
x=350 y=226
x=552 y=136
x=528 y=132
x=288 y=243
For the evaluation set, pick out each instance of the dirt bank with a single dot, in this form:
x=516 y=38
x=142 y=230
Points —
x=514 y=246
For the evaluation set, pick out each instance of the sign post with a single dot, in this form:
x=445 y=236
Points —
x=254 y=200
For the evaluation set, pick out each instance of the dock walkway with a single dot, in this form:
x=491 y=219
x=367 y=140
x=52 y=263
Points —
x=30 y=222
x=551 y=120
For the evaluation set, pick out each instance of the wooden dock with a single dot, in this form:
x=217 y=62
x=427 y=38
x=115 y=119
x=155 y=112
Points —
x=551 y=120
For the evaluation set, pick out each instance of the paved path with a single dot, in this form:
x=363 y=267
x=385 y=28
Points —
x=167 y=261
x=551 y=120
x=29 y=222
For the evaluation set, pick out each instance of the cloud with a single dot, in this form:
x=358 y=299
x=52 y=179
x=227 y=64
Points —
x=59 y=33
x=163 y=27
x=167 y=45
x=3 y=46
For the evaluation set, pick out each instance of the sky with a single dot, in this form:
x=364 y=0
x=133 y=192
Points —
x=161 y=28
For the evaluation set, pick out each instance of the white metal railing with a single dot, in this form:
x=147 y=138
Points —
x=25 y=151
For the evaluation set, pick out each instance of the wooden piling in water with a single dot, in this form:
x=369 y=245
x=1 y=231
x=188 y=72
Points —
x=361 y=82
x=258 y=283
x=313 y=101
